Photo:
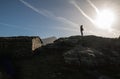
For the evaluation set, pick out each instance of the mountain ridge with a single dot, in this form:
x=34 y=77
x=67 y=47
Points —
x=48 y=40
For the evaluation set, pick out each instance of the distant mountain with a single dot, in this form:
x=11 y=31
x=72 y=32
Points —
x=48 y=40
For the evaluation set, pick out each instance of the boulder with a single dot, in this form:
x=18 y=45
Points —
x=84 y=57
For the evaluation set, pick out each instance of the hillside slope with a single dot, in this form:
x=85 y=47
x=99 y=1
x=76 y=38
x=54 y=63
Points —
x=75 y=57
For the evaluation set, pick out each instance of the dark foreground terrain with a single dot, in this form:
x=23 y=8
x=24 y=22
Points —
x=75 y=57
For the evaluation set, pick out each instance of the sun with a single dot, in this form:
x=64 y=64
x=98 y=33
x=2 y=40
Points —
x=105 y=19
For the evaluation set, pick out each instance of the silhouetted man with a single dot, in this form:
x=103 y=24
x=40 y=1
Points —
x=81 y=30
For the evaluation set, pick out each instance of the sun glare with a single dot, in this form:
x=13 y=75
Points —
x=105 y=19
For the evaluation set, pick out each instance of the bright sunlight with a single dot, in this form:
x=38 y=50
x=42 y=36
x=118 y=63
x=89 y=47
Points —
x=105 y=19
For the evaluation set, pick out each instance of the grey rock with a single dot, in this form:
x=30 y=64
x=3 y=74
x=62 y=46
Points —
x=84 y=56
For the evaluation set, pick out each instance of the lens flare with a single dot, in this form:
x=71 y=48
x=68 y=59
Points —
x=105 y=19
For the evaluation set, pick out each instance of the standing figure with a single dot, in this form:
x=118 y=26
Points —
x=81 y=30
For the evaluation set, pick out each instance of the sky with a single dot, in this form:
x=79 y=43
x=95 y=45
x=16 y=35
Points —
x=59 y=18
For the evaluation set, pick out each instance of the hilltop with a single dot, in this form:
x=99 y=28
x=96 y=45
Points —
x=75 y=57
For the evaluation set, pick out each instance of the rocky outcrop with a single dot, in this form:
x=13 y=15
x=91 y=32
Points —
x=84 y=57
x=75 y=57
x=19 y=46
x=89 y=57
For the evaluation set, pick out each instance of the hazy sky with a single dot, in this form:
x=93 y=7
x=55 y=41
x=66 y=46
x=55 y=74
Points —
x=58 y=18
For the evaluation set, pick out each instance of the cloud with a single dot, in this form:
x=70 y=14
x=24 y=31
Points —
x=15 y=26
x=49 y=14
x=68 y=29
x=33 y=8
x=96 y=9
x=81 y=11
